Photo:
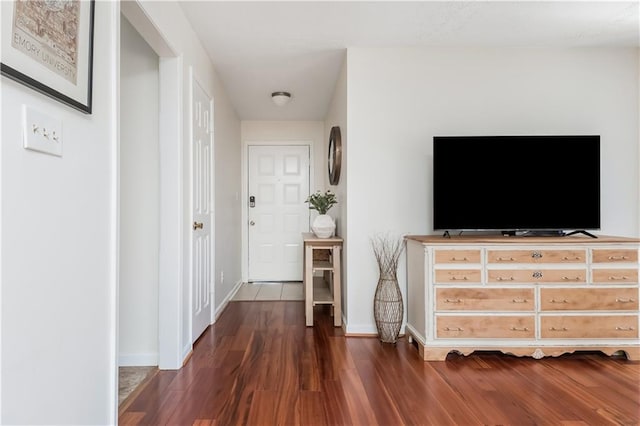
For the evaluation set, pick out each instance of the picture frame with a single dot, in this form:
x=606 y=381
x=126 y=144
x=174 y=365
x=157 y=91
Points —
x=48 y=46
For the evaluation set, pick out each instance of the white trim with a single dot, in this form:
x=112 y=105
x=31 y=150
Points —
x=171 y=209
x=244 y=161
x=171 y=215
x=361 y=329
x=212 y=199
x=138 y=360
x=220 y=308
x=140 y=20
x=114 y=201
x=1 y=274
x=189 y=246
x=186 y=350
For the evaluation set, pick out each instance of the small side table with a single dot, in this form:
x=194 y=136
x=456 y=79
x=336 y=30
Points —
x=325 y=290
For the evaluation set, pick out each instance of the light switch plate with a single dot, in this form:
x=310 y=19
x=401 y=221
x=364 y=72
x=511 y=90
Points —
x=41 y=132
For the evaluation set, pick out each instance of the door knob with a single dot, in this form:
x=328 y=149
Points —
x=197 y=225
x=252 y=223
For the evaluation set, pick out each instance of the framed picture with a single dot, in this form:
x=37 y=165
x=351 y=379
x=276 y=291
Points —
x=47 y=45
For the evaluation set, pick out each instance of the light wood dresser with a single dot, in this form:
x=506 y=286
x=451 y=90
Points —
x=526 y=296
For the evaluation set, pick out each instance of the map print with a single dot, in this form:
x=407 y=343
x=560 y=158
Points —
x=47 y=32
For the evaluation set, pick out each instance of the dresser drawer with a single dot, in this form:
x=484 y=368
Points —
x=458 y=276
x=589 y=327
x=487 y=327
x=615 y=276
x=536 y=256
x=565 y=276
x=614 y=256
x=588 y=299
x=481 y=299
x=457 y=256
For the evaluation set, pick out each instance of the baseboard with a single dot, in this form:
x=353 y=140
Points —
x=361 y=330
x=234 y=290
x=186 y=351
x=187 y=358
x=365 y=330
x=138 y=360
x=220 y=308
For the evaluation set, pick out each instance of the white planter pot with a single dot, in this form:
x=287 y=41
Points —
x=323 y=226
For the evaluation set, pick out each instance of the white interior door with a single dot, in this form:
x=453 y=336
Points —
x=202 y=184
x=278 y=215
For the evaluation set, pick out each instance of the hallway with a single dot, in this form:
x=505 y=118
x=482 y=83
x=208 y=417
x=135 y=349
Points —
x=263 y=291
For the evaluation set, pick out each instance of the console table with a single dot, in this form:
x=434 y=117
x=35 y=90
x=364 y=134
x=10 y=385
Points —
x=526 y=296
x=325 y=290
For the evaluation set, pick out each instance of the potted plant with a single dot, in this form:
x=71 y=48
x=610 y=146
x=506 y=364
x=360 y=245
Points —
x=323 y=225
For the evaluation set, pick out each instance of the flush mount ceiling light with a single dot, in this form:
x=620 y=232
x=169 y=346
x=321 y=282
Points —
x=281 y=98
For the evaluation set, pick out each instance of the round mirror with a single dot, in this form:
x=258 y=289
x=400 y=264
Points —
x=335 y=155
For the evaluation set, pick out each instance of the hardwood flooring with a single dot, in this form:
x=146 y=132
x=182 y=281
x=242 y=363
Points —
x=260 y=365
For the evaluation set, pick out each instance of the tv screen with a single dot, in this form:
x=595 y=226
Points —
x=516 y=183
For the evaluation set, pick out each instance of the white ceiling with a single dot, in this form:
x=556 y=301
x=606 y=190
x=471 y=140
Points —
x=298 y=46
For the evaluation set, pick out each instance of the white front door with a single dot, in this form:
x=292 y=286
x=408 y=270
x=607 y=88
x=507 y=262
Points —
x=202 y=184
x=278 y=214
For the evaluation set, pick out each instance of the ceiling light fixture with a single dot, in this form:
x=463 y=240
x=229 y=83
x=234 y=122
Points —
x=281 y=98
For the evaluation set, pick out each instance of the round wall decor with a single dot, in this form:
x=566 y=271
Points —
x=335 y=155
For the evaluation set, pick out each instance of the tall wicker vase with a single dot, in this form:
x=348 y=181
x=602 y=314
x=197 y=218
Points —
x=388 y=307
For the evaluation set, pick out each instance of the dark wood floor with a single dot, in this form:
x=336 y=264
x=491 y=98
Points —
x=259 y=365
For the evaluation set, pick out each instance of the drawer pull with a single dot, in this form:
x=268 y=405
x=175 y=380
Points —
x=558 y=301
x=558 y=329
x=452 y=301
x=453 y=329
x=572 y=258
x=519 y=301
x=458 y=279
x=536 y=255
x=625 y=328
x=505 y=259
x=519 y=328
x=537 y=274
x=505 y=279
x=618 y=257
x=619 y=300
x=571 y=279
x=618 y=278
x=459 y=259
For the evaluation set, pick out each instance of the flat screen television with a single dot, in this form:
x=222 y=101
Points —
x=528 y=185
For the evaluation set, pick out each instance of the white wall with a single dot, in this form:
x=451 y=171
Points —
x=400 y=98
x=337 y=116
x=58 y=253
x=228 y=216
x=169 y=20
x=278 y=132
x=139 y=200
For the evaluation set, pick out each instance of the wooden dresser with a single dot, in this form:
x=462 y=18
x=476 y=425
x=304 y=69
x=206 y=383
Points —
x=526 y=296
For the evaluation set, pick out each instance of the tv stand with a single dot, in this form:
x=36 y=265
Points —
x=533 y=297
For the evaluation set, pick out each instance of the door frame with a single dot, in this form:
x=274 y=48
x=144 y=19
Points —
x=170 y=300
x=194 y=79
x=245 y=189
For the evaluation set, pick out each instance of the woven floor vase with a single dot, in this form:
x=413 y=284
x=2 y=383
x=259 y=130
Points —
x=388 y=308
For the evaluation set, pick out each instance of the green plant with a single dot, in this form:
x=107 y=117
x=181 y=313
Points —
x=321 y=202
